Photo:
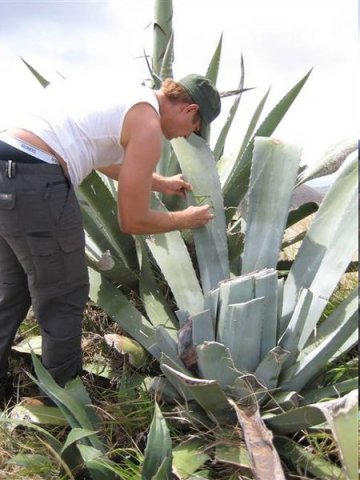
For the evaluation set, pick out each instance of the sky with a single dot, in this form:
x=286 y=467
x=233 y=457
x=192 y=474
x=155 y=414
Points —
x=281 y=40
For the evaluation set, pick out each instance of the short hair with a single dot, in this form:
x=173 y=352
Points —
x=175 y=92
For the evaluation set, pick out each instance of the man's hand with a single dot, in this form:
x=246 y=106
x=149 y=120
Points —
x=175 y=185
x=194 y=217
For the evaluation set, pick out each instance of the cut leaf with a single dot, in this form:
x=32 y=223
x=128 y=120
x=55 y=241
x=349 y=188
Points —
x=199 y=168
x=269 y=202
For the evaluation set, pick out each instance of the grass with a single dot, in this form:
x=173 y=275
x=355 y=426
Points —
x=126 y=407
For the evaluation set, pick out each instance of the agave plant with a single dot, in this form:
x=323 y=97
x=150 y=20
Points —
x=244 y=344
x=254 y=339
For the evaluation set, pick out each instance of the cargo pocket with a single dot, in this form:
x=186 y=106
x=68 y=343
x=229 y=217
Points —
x=72 y=246
x=47 y=266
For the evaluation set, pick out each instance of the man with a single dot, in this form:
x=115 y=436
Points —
x=42 y=158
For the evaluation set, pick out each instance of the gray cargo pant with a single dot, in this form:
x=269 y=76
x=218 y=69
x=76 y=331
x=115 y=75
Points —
x=42 y=262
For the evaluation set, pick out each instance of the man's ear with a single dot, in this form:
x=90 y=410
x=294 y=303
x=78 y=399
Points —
x=192 y=107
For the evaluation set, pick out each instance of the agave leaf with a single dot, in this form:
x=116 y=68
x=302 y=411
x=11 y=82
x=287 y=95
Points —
x=331 y=235
x=40 y=414
x=236 y=247
x=211 y=303
x=93 y=189
x=349 y=344
x=28 y=345
x=167 y=166
x=215 y=363
x=297 y=376
x=162 y=389
x=182 y=316
x=283 y=401
x=32 y=461
x=118 y=307
x=295 y=419
x=296 y=333
x=343 y=311
x=163 y=471
x=98 y=244
x=170 y=369
x=231 y=449
x=341 y=414
x=324 y=393
x=225 y=169
x=198 y=166
x=163 y=13
x=253 y=123
x=269 y=202
x=77 y=391
x=269 y=368
x=247 y=390
x=44 y=83
x=188 y=457
x=202 y=328
x=212 y=74
x=75 y=435
x=213 y=68
x=328 y=164
x=110 y=183
x=266 y=286
x=280 y=301
x=307 y=461
x=242 y=335
x=236 y=185
x=265 y=459
x=99 y=466
x=167 y=344
x=167 y=62
x=177 y=269
x=74 y=411
x=207 y=393
x=158 y=448
x=238 y=290
x=219 y=147
x=156 y=305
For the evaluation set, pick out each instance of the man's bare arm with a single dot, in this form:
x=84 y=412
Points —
x=142 y=140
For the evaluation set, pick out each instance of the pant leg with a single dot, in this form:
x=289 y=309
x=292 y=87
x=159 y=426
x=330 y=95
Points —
x=43 y=225
x=58 y=284
x=60 y=319
x=14 y=300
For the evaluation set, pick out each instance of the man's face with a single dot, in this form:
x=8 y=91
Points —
x=185 y=121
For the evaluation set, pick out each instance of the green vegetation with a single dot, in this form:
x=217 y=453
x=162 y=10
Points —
x=229 y=368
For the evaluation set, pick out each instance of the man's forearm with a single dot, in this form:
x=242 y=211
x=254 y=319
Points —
x=161 y=222
x=157 y=182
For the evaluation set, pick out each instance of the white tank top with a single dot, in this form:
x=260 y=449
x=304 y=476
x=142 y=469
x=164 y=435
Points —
x=84 y=125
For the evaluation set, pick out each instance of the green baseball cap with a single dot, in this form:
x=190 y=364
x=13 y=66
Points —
x=203 y=92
